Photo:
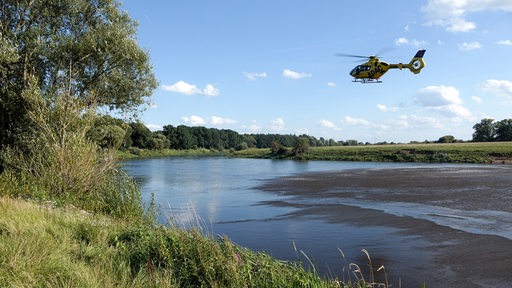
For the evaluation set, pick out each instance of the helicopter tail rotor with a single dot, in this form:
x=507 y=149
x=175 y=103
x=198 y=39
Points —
x=417 y=63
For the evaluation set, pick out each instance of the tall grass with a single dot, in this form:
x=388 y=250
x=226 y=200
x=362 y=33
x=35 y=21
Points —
x=43 y=246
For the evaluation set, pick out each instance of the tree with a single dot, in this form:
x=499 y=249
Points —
x=485 y=131
x=504 y=130
x=86 y=50
x=140 y=135
x=301 y=147
x=446 y=139
x=158 y=141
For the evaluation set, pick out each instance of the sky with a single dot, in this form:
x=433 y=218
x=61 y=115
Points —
x=269 y=66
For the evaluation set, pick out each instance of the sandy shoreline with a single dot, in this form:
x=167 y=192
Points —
x=461 y=213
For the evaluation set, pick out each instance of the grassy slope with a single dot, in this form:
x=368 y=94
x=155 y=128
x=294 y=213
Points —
x=55 y=247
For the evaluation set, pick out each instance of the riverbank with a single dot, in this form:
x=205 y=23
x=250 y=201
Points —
x=461 y=215
x=469 y=152
x=46 y=246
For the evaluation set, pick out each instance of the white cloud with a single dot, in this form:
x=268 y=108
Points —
x=416 y=121
x=498 y=87
x=355 y=121
x=432 y=96
x=409 y=42
x=254 y=76
x=331 y=84
x=183 y=87
x=469 y=46
x=384 y=108
x=451 y=13
x=277 y=124
x=193 y=120
x=254 y=127
x=460 y=25
x=216 y=120
x=457 y=112
x=153 y=127
x=505 y=42
x=287 y=73
x=476 y=99
x=210 y=90
x=327 y=124
x=444 y=100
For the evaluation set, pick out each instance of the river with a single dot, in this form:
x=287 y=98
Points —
x=227 y=197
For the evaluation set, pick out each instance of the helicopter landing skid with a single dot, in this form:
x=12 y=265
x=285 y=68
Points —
x=366 y=80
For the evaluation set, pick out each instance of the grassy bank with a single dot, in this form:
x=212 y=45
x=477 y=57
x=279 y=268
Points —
x=484 y=153
x=145 y=153
x=44 y=246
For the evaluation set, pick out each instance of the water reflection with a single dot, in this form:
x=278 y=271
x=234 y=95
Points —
x=219 y=194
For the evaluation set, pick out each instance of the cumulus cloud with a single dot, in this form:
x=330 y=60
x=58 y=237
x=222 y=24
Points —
x=277 y=124
x=451 y=14
x=505 y=42
x=253 y=127
x=433 y=96
x=476 y=99
x=444 y=100
x=409 y=42
x=498 y=87
x=331 y=84
x=193 y=120
x=183 y=87
x=469 y=46
x=327 y=124
x=384 y=108
x=254 y=75
x=214 y=120
x=355 y=121
x=287 y=73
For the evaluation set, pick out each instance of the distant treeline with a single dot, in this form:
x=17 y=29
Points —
x=186 y=137
x=115 y=133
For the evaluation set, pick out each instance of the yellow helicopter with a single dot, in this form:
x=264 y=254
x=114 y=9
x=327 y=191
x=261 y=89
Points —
x=373 y=69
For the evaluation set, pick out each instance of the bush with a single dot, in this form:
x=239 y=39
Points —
x=61 y=163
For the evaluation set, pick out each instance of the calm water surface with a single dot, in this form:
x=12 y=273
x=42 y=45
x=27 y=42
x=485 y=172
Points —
x=220 y=191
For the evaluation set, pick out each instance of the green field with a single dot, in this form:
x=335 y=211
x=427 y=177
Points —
x=483 y=152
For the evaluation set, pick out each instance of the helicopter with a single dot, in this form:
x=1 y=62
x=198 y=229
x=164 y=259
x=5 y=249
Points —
x=374 y=68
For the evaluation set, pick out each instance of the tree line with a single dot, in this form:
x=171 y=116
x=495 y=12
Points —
x=489 y=130
x=115 y=133
x=193 y=137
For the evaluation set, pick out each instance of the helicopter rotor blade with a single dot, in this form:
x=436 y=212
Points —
x=351 y=55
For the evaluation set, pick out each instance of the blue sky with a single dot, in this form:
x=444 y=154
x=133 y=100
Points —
x=269 y=66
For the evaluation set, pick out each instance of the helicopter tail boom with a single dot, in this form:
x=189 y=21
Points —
x=417 y=63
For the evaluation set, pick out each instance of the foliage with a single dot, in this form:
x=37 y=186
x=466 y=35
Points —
x=61 y=163
x=84 y=49
x=485 y=131
x=488 y=130
x=504 y=130
x=301 y=147
x=446 y=139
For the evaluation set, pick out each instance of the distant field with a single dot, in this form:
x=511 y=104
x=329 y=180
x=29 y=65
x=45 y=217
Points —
x=484 y=152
